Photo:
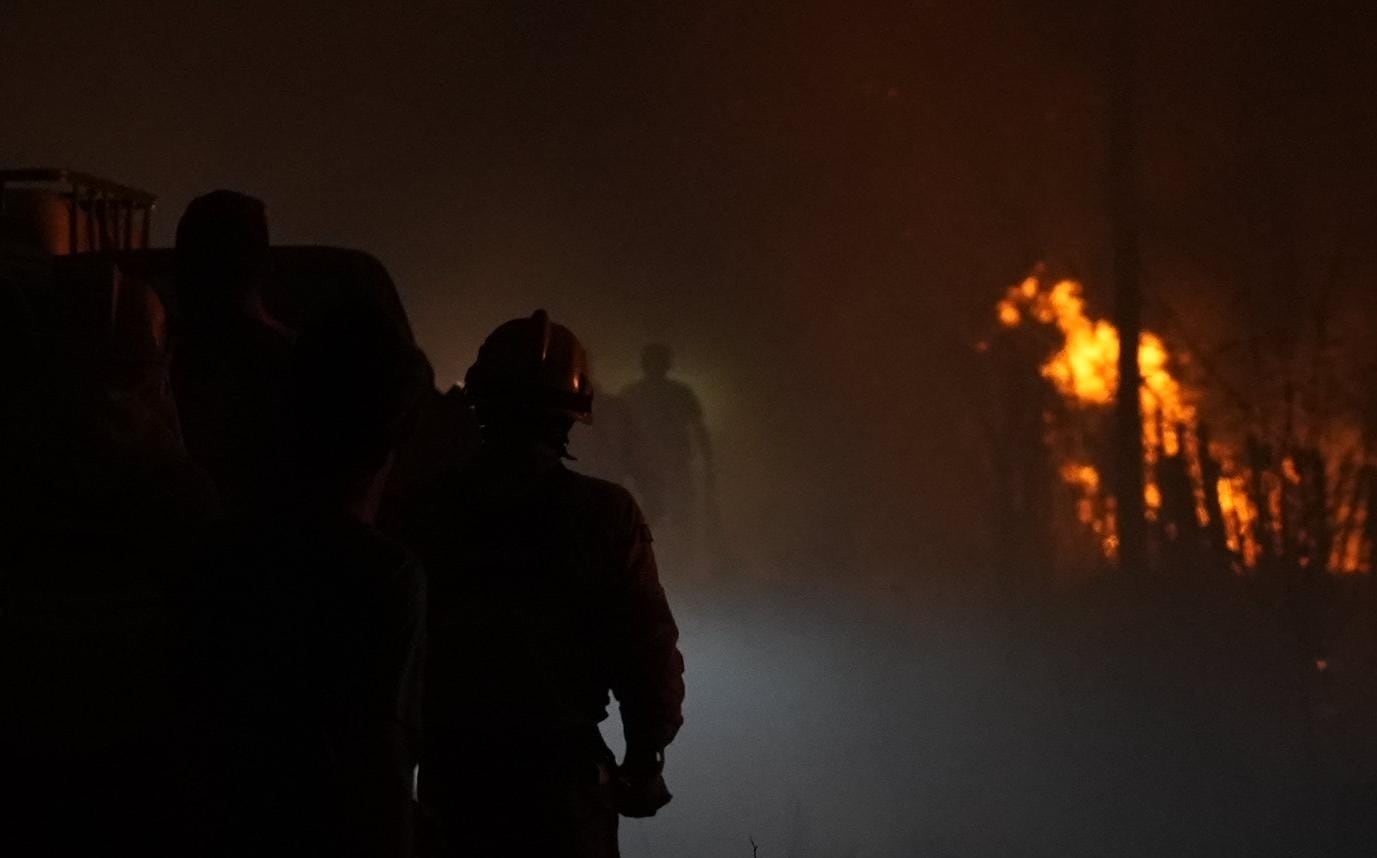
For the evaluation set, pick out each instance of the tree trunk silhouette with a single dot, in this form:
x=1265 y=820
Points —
x=1128 y=299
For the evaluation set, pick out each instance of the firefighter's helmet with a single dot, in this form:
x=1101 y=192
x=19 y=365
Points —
x=532 y=366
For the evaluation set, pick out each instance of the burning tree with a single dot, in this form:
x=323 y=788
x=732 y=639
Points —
x=1254 y=495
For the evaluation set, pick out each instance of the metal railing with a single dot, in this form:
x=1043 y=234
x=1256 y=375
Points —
x=107 y=209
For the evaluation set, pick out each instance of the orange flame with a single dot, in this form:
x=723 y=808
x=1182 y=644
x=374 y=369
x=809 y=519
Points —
x=1086 y=368
x=1084 y=371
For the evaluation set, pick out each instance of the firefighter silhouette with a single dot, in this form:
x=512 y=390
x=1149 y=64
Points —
x=670 y=433
x=543 y=597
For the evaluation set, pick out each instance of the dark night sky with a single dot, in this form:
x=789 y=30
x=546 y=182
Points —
x=816 y=202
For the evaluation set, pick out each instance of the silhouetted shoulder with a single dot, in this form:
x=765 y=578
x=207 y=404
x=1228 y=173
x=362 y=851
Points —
x=603 y=494
x=608 y=510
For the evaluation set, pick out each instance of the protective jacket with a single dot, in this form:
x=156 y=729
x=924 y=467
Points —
x=544 y=596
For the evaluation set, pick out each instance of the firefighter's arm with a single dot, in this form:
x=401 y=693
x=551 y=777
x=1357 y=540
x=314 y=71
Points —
x=648 y=676
x=648 y=672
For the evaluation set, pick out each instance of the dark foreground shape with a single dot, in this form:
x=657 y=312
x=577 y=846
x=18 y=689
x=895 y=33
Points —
x=170 y=685
x=311 y=636
x=312 y=623
x=99 y=509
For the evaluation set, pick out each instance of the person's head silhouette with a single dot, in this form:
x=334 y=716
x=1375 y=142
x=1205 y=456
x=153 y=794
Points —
x=656 y=360
x=222 y=253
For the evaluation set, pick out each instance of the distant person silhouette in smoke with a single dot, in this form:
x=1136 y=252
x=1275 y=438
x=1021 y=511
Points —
x=544 y=596
x=671 y=433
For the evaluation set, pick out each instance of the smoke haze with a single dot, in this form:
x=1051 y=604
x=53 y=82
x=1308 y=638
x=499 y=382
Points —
x=818 y=206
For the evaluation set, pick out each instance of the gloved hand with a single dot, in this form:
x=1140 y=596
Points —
x=638 y=786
